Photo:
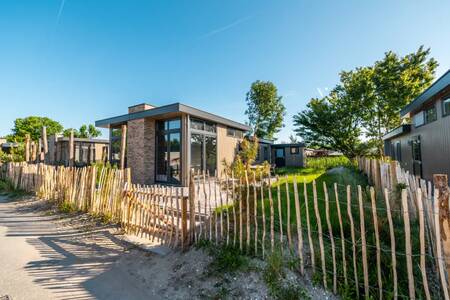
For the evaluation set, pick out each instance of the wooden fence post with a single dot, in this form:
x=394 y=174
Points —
x=71 y=149
x=440 y=182
x=191 y=200
x=45 y=143
x=27 y=148
x=440 y=259
x=408 y=250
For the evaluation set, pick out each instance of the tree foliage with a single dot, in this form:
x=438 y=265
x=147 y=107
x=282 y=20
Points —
x=365 y=105
x=85 y=131
x=265 y=109
x=33 y=126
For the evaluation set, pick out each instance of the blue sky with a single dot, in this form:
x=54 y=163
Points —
x=79 y=61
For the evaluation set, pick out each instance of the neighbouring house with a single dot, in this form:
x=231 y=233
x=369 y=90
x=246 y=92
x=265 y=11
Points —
x=288 y=155
x=422 y=144
x=164 y=143
x=309 y=152
x=6 y=146
x=85 y=150
x=264 y=151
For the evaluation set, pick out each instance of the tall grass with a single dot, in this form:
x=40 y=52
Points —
x=329 y=162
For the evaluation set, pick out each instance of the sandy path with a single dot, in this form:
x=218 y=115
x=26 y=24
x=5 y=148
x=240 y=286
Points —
x=38 y=260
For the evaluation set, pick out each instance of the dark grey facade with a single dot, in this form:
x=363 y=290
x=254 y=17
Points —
x=281 y=155
x=423 y=146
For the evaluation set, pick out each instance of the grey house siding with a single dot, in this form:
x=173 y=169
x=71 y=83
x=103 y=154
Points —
x=435 y=143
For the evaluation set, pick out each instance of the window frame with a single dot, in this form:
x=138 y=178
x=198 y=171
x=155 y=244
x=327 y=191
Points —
x=444 y=114
x=236 y=133
x=296 y=148
x=426 y=121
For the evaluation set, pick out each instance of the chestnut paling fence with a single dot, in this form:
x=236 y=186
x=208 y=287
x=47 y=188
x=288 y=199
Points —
x=357 y=241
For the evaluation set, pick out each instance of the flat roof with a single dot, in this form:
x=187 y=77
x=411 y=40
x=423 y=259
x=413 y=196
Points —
x=166 y=109
x=288 y=145
x=84 y=140
x=402 y=129
x=441 y=83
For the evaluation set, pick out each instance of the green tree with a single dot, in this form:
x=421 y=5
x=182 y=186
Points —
x=326 y=123
x=85 y=131
x=366 y=103
x=33 y=126
x=265 y=110
x=392 y=83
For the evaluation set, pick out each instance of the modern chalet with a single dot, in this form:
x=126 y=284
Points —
x=164 y=143
x=423 y=145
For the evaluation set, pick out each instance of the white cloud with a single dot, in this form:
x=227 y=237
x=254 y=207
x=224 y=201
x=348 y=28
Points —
x=224 y=28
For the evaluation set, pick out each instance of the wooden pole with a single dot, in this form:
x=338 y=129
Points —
x=440 y=182
x=45 y=143
x=71 y=149
x=319 y=228
x=352 y=229
x=280 y=215
x=440 y=259
x=272 y=218
x=308 y=227
x=341 y=227
x=263 y=213
x=123 y=146
x=288 y=215
x=27 y=148
x=392 y=236
x=299 y=227
x=377 y=240
x=363 y=243
x=247 y=204
x=408 y=250
x=423 y=268
x=330 y=232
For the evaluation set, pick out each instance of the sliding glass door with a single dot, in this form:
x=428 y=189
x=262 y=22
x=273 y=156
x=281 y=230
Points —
x=204 y=153
x=168 y=151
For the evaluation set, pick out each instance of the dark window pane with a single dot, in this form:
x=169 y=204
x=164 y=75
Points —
x=211 y=127
x=230 y=131
x=238 y=133
x=266 y=153
x=175 y=163
x=294 y=150
x=211 y=154
x=162 y=157
x=446 y=107
x=197 y=124
x=196 y=152
x=174 y=124
x=161 y=125
x=430 y=114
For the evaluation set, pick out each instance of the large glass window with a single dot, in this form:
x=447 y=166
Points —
x=204 y=153
x=446 y=107
x=168 y=151
x=116 y=140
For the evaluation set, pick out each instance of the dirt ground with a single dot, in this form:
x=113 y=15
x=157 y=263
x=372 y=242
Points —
x=48 y=255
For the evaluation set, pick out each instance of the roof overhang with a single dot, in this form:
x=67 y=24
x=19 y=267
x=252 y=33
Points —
x=440 y=84
x=402 y=129
x=167 y=109
x=288 y=145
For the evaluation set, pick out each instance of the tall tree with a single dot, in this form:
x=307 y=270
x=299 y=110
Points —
x=366 y=103
x=33 y=126
x=326 y=123
x=394 y=82
x=265 y=109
